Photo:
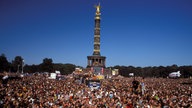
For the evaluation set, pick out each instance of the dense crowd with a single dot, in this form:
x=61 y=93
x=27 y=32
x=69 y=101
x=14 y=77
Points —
x=37 y=91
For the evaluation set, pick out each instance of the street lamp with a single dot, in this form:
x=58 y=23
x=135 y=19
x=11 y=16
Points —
x=22 y=66
x=18 y=68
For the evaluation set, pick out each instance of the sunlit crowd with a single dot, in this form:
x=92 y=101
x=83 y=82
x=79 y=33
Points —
x=38 y=91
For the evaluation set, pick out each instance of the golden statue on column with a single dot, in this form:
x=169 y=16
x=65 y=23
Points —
x=98 y=7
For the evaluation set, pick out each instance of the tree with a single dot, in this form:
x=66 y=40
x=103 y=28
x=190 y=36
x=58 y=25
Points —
x=161 y=71
x=68 y=68
x=186 y=71
x=47 y=65
x=4 y=64
x=31 y=68
x=17 y=64
x=64 y=68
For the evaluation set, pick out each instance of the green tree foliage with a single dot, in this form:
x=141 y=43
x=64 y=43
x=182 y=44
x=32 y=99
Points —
x=17 y=64
x=64 y=68
x=47 y=65
x=44 y=67
x=161 y=71
x=186 y=71
x=4 y=64
x=32 y=68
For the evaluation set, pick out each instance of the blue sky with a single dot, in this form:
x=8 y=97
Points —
x=133 y=32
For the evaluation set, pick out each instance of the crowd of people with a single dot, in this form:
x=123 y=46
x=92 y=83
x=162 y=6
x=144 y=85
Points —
x=37 y=91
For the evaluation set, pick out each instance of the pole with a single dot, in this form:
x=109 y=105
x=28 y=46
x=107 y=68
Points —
x=18 y=68
x=22 y=66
